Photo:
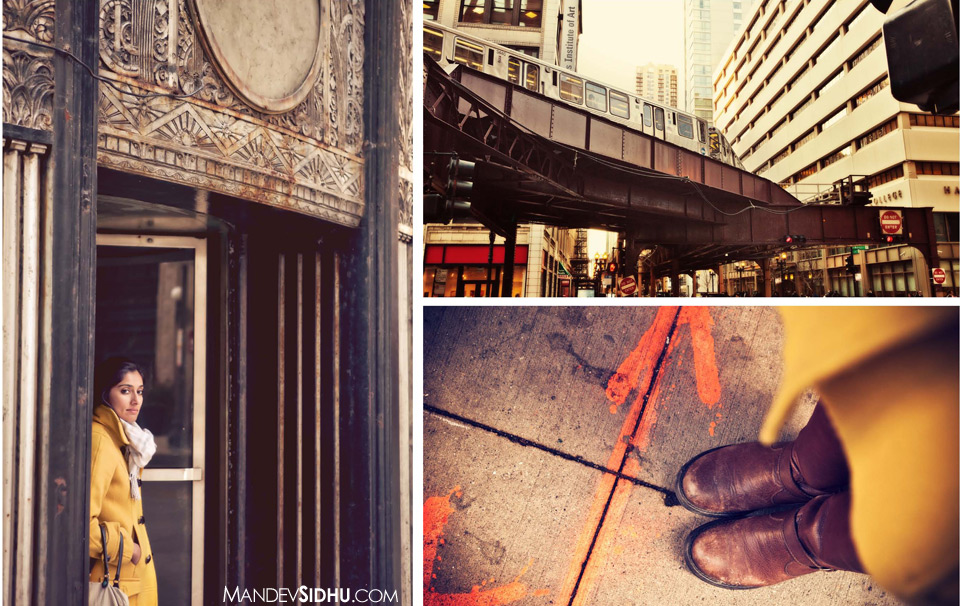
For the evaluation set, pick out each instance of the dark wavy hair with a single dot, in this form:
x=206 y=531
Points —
x=109 y=373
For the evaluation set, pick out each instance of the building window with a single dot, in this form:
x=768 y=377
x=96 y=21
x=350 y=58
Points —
x=619 y=104
x=532 y=81
x=873 y=90
x=802 y=72
x=571 y=89
x=893 y=279
x=836 y=156
x=525 y=13
x=931 y=120
x=830 y=45
x=947 y=226
x=807 y=172
x=891 y=174
x=513 y=70
x=432 y=43
x=862 y=12
x=468 y=53
x=938 y=168
x=778 y=128
x=530 y=51
x=596 y=97
x=856 y=59
x=836 y=117
x=804 y=139
x=781 y=155
x=801 y=107
x=431 y=9
x=887 y=127
x=830 y=82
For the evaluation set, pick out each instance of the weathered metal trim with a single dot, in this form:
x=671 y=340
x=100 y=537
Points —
x=73 y=187
x=369 y=487
x=30 y=286
x=281 y=408
x=9 y=357
x=28 y=135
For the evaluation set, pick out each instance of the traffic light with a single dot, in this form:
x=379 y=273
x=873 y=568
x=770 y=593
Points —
x=893 y=238
x=612 y=267
x=437 y=209
x=794 y=239
x=850 y=265
x=460 y=175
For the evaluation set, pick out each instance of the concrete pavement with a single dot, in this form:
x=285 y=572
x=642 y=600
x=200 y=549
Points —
x=552 y=436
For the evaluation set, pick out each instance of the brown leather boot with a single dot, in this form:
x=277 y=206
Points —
x=762 y=550
x=740 y=478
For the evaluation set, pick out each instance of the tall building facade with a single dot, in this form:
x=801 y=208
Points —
x=658 y=82
x=457 y=257
x=547 y=29
x=708 y=27
x=803 y=96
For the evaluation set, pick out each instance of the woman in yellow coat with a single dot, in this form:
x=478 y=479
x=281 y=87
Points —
x=120 y=450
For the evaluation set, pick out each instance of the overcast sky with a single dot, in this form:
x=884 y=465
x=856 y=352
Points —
x=618 y=35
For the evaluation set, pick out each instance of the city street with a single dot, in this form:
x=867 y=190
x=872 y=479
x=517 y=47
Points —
x=552 y=437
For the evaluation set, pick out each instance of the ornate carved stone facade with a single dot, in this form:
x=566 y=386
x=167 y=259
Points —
x=406 y=124
x=167 y=113
x=28 y=69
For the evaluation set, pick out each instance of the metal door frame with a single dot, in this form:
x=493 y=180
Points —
x=195 y=474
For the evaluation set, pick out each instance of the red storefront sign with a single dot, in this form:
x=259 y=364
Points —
x=471 y=254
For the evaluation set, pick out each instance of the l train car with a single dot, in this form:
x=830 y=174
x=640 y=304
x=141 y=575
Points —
x=450 y=47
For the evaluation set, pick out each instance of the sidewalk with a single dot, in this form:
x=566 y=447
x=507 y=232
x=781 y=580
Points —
x=552 y=437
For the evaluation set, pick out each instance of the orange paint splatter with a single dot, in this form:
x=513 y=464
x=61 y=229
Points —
x=641 y=359
x=704 y=356
x=635 y=372
x=713 y=425
x=436 y=514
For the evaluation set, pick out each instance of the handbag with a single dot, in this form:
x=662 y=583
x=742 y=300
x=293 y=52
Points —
x=102 y=593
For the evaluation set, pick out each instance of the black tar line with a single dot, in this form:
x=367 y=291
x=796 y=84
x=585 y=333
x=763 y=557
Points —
x=646 y=397
x=669 y=497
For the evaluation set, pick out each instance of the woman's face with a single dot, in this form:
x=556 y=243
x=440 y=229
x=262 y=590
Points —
x=126 y=397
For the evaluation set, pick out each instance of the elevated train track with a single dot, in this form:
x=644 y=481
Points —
x=542 y=161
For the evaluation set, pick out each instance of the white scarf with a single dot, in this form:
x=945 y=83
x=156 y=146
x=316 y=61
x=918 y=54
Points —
x=141 y=449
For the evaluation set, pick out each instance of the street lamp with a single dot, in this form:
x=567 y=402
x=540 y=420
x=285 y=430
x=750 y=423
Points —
x=782 y=265
x=739 y=267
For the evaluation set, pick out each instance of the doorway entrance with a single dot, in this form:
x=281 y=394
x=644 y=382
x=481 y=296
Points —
x=151 y=307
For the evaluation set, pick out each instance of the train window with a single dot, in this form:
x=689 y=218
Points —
x=513 y=70
x=533 y=77
x=433 y=43
x=647 y=115
x=701 y=131
x=658 y=117
x=685 y=126
x=596 y=97
x=490 y=56
x=571 y=89
x=619 y=104
x=468 y=53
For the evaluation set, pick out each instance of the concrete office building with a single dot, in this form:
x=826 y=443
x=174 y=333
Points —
x=708 y=28
x=804 y=98
x=456 y=257
x=658 y=82
x=547 y=29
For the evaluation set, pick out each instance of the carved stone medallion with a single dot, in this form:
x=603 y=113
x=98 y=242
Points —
x=269 y=53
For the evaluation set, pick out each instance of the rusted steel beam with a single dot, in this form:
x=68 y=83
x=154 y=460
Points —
x=662 y=194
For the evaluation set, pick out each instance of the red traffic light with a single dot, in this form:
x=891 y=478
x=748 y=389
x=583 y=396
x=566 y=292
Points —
x=612 y=267
x=789 y=239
